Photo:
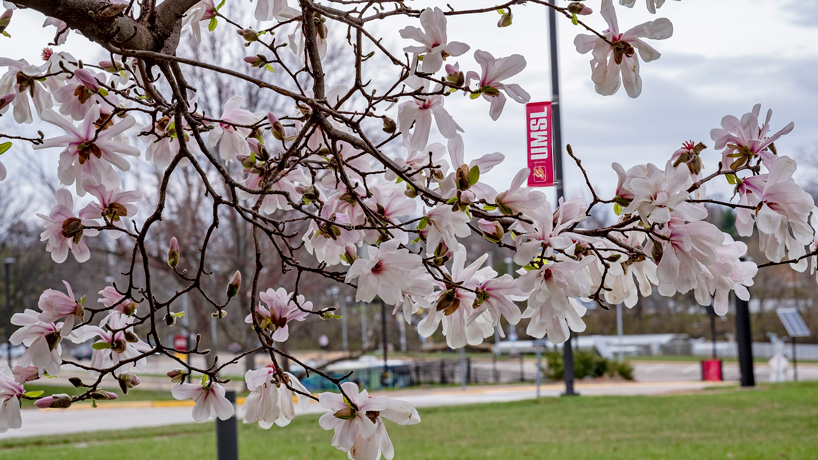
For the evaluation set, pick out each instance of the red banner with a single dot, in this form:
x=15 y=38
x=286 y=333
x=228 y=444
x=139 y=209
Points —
x=538 y=141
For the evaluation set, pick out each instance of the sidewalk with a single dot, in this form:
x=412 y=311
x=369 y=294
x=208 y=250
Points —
x=119 y=415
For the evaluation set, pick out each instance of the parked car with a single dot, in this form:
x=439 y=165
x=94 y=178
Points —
x=83 y=351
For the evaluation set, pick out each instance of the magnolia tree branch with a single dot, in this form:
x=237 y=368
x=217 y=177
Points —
x=346 y=181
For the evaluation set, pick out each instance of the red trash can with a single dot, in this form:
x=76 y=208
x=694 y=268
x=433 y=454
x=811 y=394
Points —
x=712 y=370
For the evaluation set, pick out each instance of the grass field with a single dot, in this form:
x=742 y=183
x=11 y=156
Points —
x=778 y=421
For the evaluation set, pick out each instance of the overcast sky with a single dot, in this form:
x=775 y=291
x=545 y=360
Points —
x=724 y=57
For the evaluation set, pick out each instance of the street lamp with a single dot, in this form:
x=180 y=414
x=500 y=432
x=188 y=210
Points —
x=7 y=323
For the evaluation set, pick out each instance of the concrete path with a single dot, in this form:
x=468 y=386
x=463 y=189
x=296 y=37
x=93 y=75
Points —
x=120 y=415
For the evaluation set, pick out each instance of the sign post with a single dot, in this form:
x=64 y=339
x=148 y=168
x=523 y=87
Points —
x=544 y=156
x=796 y=327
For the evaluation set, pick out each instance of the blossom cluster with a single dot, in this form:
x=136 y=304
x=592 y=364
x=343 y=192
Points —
x=390 y=223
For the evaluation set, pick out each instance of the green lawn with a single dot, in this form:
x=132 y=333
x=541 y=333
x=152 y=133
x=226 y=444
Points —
x=779 y=421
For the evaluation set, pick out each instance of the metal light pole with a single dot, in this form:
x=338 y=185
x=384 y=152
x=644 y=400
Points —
x=7 y=320
x=385 y=375
x=227 y=437
x=556 y=133
x=744 y=340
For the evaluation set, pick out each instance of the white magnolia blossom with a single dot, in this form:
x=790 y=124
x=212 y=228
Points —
x=357 y=419
x=88 y=155
x=495 y=70
x=209 y=400
x=383 y=273
x=434 y=47
x=271 y=400
x=609 y=61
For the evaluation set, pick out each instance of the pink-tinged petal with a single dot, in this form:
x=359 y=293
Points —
x=345 y=434
x=606 y=78
x=432 y=62
x=646 y=52
x=517 y=93
x=233 y=103
x=508 y=67
x=407 y=113
x=609 y=14
x=488 y=161
x=659 y=29
x=630 y=76
x=497 y=104
x=423 y=125
x=456 y=48
x=585 y=43
x=367 y=448
x=445 y=124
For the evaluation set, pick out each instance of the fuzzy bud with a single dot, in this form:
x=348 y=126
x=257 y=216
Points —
x=87 y=79
x=59 y=401
x=462 y=177
x=127 y=381
x=5 y=20
x=349 y=254
x=249 y=35
x=389 y=125
x=233 y=286
x=492 y=230
x=276 y=126
x=101 y=395
x=258 y=60
x=579 y=9
x=177 y=375
x=173 y=253
x=505 y=19
x=111 y=66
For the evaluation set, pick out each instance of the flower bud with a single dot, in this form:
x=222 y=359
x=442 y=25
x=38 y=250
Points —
x=310 y=193
x=173 y=253
x=111 y=66
x=87 y=79
x=505 y=19
x=177 y=375
x=579 y=9
x=492 y=230
x=258 y=60
x=462 y=177
x=170 y=319
x=127 y=381
x=277 y=127
x=5 y=19
x=233 y=286
x=389 y=125
x=130 y=337
x=349 y=254
x=127 y=309
x=248 y=34
x=100 y=395
x=59 y=401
